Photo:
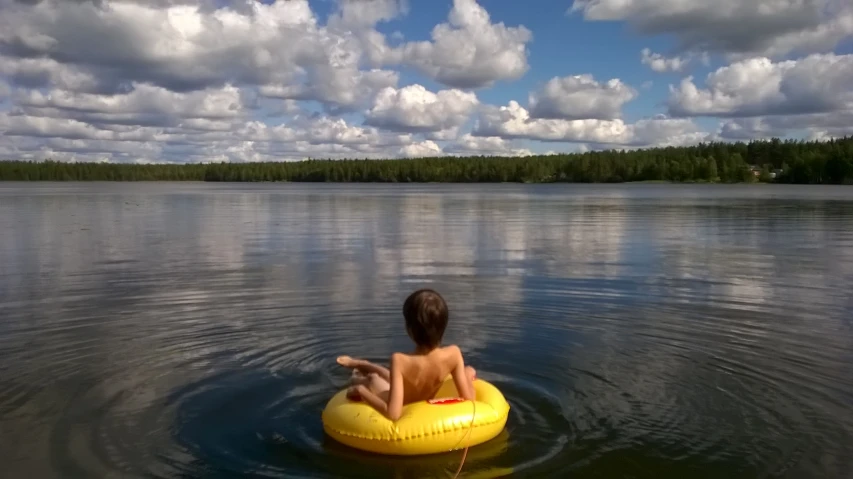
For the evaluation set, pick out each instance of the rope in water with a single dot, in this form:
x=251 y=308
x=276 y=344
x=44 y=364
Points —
x=467 y=435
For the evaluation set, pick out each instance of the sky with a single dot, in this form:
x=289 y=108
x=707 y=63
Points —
x=179 y=81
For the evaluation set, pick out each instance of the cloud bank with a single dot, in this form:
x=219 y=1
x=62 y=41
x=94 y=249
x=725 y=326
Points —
x=241 y=80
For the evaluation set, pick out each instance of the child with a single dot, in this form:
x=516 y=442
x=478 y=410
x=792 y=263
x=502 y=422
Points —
x=418 y=376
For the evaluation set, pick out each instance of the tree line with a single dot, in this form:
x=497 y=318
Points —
x=789 y=161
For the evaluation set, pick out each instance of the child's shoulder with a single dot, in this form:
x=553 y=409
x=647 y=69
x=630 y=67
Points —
x=451 y=350
x=449 y=353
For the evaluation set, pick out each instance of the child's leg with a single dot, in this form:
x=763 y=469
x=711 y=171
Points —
x=357 y=378
x=375 y=383
x=365 y=367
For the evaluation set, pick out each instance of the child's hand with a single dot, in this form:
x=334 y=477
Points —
x=346 y=361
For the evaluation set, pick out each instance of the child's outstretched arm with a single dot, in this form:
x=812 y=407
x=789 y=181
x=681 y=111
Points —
x=365 y=367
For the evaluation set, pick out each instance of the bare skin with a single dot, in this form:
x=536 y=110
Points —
x=411 y=378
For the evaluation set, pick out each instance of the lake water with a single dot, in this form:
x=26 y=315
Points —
x=638 y=331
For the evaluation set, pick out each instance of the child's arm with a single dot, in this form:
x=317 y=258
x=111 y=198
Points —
x=365 y=367
x=395 y=394
x=394 y=407
x=463 y=384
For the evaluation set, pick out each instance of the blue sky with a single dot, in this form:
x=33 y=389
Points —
x=241 y=80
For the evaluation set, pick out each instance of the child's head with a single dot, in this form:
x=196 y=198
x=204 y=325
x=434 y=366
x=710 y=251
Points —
x=426 y=317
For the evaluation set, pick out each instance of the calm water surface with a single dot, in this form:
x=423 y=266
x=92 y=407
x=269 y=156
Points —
x=190 y=330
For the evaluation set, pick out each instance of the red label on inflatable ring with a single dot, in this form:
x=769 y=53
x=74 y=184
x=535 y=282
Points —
x=443 y=401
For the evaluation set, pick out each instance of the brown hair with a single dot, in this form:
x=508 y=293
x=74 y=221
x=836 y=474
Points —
x=426 y=317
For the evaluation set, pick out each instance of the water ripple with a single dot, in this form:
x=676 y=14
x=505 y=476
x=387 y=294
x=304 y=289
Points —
x=635 y=332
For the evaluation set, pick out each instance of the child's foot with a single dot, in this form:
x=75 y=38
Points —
x=357 y=378
x=346 y=361
x=353 y=395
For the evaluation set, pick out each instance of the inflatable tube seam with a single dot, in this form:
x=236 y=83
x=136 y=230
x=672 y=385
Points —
x=410 y=436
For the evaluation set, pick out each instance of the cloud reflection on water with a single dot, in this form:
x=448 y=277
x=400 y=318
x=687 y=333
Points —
x=634 y=313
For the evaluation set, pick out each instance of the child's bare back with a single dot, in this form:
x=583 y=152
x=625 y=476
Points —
x=413 y=377
x=422 y=375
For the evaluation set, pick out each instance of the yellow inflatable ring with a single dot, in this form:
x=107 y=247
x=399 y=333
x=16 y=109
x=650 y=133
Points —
x=425 y=427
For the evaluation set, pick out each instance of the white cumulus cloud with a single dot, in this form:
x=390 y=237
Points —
x=143 y=100
x=365 y=14
x=105 y=46
x=414 y=108
x=469 y=145
x=421 y=149
x=817 y=125
x=581 y=97
x=468 y=51
x=733 y=27
x=514 y=121
x=814 y=84
x=661 y=64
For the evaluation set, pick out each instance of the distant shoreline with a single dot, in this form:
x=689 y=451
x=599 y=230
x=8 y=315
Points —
x=775 y=161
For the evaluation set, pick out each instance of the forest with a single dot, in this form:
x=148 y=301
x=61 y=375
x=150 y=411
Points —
x=789 y=161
